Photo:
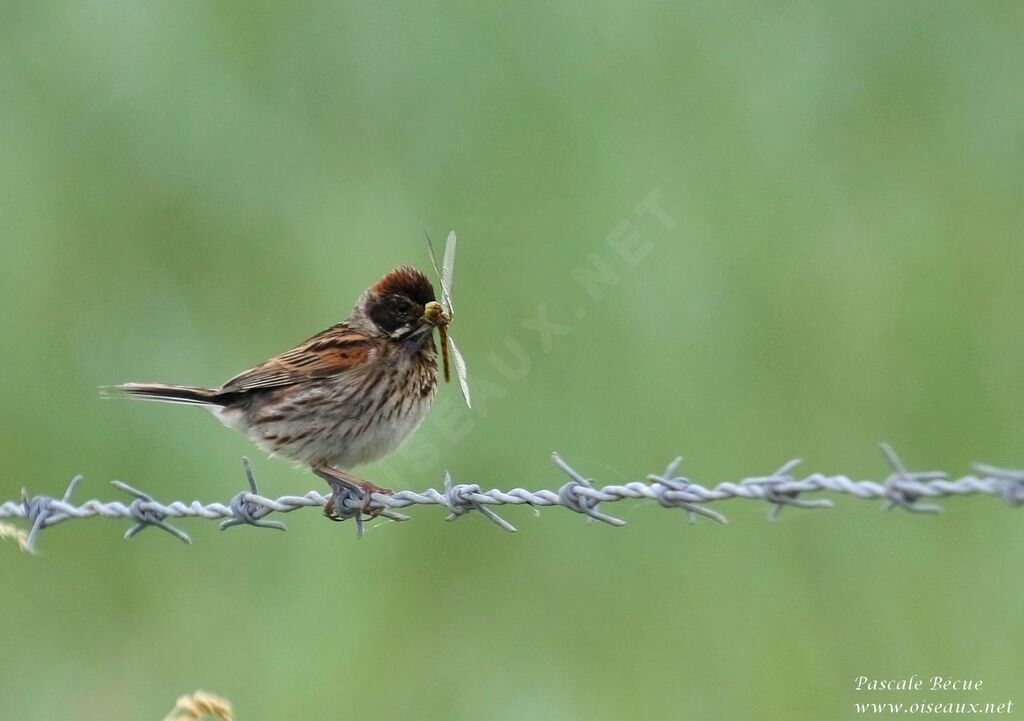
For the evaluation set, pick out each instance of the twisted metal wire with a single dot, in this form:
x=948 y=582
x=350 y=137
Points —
x=901 y=489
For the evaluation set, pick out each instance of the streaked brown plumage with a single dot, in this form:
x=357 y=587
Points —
x=347 y=396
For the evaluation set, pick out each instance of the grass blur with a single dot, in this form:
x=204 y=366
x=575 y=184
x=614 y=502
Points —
x=188 y=188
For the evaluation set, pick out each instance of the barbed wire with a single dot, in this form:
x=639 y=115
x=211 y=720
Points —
x=901 y=489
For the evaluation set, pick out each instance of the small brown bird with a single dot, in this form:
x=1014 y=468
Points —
x=347 y=396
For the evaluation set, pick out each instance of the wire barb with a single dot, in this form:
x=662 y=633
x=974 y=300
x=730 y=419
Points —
x=246 y=511
x=40 y=512
x=579 y=495
x=146 y=512
x=902 y=488
x=670 y=492
x=462 y=498
x=347 y=502
x=771 y=488
x=1011 y=481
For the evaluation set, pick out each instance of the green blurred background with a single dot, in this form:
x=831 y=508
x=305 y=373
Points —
x=188 y=188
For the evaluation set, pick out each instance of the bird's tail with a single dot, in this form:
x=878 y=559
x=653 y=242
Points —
x=188 y=395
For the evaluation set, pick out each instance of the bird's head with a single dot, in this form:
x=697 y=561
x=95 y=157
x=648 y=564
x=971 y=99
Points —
x=401 y=305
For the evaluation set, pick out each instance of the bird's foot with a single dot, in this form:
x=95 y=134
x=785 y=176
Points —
x=339 y=479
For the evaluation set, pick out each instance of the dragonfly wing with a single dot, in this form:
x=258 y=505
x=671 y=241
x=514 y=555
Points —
x=460 y=370
x=447 y=270
x=433 y=255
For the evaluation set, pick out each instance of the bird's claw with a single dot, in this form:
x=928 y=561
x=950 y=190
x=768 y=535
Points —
x=342 y=483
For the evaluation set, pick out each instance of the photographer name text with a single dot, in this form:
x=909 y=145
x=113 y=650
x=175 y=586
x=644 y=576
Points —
x=918 y=683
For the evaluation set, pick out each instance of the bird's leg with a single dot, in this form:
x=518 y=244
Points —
x=337 y=477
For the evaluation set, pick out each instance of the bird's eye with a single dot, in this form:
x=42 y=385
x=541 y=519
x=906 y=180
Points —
x=401 y=305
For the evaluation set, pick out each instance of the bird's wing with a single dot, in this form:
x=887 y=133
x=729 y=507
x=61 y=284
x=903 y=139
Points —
x=335 y=351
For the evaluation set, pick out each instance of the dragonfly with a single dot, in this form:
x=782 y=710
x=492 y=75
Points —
x=443 y=313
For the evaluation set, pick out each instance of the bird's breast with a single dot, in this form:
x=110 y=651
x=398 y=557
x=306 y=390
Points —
x=349 y=419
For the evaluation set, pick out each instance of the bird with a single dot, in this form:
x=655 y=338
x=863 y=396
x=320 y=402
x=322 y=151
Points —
x=347 y=396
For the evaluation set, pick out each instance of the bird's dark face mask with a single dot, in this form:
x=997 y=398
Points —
x=398 y=302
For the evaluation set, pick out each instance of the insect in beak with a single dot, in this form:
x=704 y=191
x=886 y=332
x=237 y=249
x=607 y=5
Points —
x=443 y=332
x=441 y=314
x=435 y=316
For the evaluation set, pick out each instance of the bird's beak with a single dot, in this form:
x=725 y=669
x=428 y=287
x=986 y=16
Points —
x=434 y=314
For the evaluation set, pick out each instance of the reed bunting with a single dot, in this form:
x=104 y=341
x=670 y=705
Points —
x=349 y=395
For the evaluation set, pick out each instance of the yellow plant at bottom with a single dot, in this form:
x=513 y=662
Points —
x=199 y=706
